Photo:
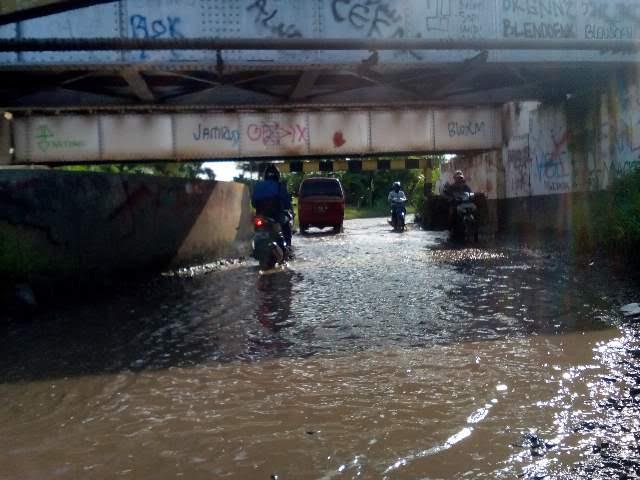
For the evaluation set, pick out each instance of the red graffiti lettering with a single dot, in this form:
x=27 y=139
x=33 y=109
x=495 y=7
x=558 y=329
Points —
x=302 y=133
x=254 y=132
x=559 y=144
x=275 y=134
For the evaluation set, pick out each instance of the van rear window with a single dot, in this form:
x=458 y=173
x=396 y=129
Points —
x=328 y=189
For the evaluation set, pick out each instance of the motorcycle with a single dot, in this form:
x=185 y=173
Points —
x=398 y=213
x=269 y=245
x=465 y=224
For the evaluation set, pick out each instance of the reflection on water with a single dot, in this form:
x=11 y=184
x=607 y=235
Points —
x=374 y=356
x=274 y=299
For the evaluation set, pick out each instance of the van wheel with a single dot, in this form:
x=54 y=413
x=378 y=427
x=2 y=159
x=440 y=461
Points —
x=337 y=228
x=304 y=228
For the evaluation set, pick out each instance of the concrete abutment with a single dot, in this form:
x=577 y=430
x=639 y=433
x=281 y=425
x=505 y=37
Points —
x=57 y=225
x=558 y=160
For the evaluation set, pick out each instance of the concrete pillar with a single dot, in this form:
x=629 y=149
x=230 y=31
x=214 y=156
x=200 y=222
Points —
x=6 y=156
x=427 y=170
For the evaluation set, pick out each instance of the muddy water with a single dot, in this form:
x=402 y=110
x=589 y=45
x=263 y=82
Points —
x=377 y=355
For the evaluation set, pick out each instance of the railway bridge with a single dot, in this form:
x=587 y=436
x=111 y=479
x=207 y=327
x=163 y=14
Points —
x=540 y=99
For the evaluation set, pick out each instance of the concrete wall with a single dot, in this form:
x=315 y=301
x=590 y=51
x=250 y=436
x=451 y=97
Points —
x=56 y=224
x=556 y=157
x=580 y=145
x=5 y=142
x=483 y=173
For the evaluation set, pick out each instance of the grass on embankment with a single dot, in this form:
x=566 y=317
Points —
x=351 y=213
x=610 y=223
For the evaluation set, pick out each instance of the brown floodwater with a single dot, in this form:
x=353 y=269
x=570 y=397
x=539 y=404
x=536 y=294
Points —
x=375 y=355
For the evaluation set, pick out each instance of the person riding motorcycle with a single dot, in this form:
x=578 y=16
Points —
x=271 y=199
x=458 y=187
x=397 y=196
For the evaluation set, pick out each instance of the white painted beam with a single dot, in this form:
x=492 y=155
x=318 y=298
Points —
x=188 y=136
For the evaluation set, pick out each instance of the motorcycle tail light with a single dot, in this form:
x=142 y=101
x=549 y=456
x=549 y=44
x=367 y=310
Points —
x=258 y=222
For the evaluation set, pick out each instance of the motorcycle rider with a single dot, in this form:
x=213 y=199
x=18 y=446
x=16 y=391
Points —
x=396 y=195
x=458 y=187
x=271 y=199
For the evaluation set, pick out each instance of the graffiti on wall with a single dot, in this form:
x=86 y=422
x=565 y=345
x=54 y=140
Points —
x=610 y=20
x=539 y=19
x=375 y=18
x=471 y=22
x=438 y=19
x=216 y=132
x=620 y=131
x=549 y=151
x=466 y=129
x=46 y=140
x=274 y=133
x=168 y=27
x=518 y=167
x=232 y=135
x=552 y=164
x=266 y=17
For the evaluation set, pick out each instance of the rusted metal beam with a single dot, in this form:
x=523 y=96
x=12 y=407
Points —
x=320 y=44
x=17 y=10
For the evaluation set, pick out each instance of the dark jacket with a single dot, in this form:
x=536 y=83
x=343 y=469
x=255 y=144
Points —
x=451 y=189
x=270 y=198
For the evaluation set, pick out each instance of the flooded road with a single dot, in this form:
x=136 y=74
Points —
x=376 y=355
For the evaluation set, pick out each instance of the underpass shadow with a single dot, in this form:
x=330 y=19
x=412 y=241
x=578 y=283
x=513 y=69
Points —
x=154 y=324
x=135 y=223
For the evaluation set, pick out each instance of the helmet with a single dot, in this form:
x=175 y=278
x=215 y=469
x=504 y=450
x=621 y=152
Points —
x=458 y=176
x=396 y=186
x=272 y=173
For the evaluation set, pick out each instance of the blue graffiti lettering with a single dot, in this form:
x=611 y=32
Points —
x=266 y=16
x=549 y=166
x=164 y=27
x=159 y=28
x=217 y=133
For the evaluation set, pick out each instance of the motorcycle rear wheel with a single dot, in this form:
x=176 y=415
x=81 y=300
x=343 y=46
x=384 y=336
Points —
x=267 y=260
x=471 y=232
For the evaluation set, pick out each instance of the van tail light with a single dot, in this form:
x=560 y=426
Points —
x=258 y=222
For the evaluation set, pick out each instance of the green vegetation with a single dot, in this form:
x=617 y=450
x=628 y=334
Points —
x=350 y=212
x=366 y=192
x=369 y=190
x=611 y=221
x=169 y=169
